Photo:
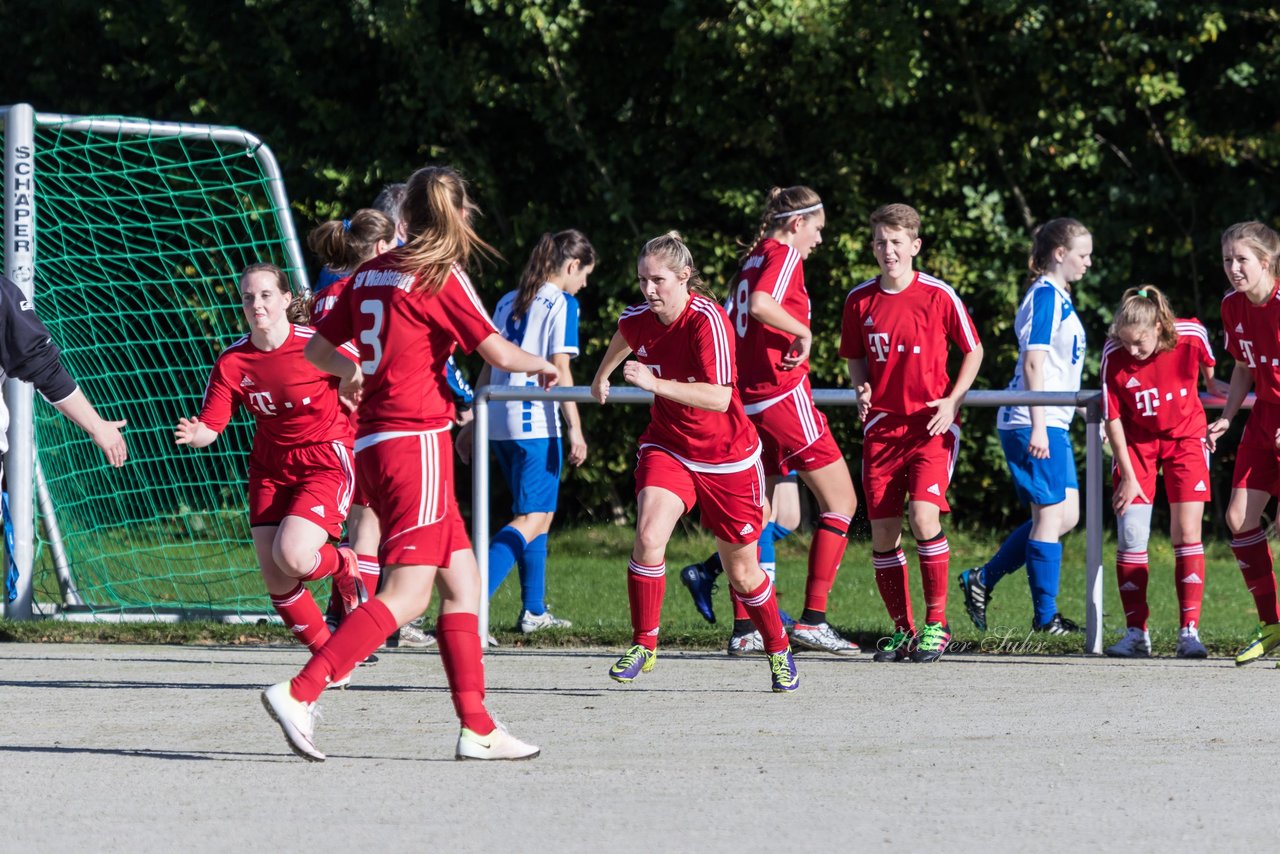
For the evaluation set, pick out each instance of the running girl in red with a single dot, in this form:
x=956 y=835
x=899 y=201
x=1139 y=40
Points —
x=699 y=448
x=408 y=309
x=1150 y=376
x=342 y=245
x=301 y=472
x=1251 y=322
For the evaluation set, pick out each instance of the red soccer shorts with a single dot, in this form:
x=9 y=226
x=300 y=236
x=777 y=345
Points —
x=312 y=482
x=732 y=503
x=1184 y=463
x=1257 y=466
x=793 y=434
x=409 y=483
x=903 y=460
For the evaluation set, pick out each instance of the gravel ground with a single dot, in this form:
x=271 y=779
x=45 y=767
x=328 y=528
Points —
x=151 y=748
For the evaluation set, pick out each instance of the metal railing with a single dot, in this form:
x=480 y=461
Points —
x=1090 y=401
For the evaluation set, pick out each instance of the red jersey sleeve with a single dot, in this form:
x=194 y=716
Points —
x=336 y=326
x=463 y=314
x=780 y=272
x=714 y=341
x=221 y=398
x=1196 y=333
x=851 y=344
x=1110 y=394
x=960 y=328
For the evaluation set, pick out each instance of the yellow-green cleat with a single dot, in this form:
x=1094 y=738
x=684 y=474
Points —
x=634 y=661
x=1267 y=639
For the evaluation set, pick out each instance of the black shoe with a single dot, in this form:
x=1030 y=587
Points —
x=931 y=643
x=1059 y=625
x=897 y=647
x=976 y=596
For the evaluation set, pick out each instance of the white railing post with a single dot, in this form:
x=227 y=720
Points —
x=1093 y=487
x=480 y=501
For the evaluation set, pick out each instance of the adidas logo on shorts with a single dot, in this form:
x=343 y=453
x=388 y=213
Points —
x=747 y=529
x=318 y=510
x=933 y=489
x=1200 y=487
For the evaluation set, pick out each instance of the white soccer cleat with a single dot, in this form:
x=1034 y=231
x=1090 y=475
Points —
x=1189 y=645
x=822 y=637
x=530 y=622
x=1136 y=643
x=413 y=636
x=296 y=718
x=498 y=744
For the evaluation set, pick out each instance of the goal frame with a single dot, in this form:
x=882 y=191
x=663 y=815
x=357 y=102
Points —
x=21 y=253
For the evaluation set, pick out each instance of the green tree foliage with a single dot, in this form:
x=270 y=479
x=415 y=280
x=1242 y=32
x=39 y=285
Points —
x=1154 y=123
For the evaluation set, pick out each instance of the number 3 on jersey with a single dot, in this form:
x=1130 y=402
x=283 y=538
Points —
x=370 y=337
x=741 y=306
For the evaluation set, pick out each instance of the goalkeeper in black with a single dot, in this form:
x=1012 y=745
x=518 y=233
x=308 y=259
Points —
x=28 y=353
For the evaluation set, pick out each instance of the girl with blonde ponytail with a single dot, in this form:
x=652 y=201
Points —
x=407 y=309
x=1151 y=366
x=698 y=449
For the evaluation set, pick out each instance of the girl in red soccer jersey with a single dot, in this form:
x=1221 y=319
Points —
x=1154 y=419
x=408 y=309
x=301 y=472
x=342 y=245
x=699 y=448
x=1251 y=322
x=770 y=311
x=895 y=332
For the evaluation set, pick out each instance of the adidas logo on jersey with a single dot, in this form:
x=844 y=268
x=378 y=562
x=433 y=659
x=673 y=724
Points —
x=318 y=510
x=933 y=489
x=747 y=529
x=642 y=351
x=1128 y=585
x=1132 y=383
x=246 y=382
x=1200 y=487
x=1240 y=328
x=868 y=322
x=1193 y=578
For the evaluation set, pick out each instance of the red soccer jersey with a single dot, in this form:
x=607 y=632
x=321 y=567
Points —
x=405 y=337
x=775 y=269
x=697 y=348
x=293 y=402
x=325 y=301
x=903 y=336
x=1253 y=338
x=1158 y=398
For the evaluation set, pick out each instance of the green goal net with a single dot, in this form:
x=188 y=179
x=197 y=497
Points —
x=141 y=229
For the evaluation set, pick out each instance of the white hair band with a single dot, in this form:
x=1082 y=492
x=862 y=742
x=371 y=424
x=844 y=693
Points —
x=800 y=212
